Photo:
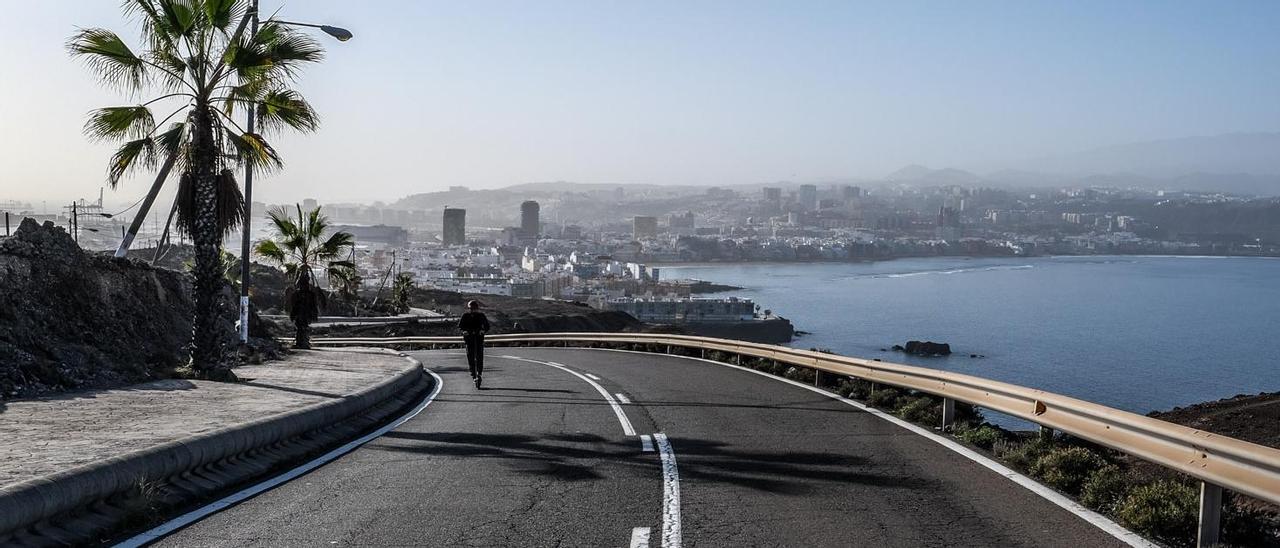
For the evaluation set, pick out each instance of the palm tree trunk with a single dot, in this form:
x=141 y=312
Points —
x=210 y=336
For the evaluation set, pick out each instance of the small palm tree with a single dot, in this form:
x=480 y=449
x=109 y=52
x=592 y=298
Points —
x=301 y=247
x=400 y=290
x=346 y=282
x=196 y=61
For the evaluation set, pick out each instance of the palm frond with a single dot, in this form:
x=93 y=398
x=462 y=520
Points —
x=274 y=54
x=114 y=123
x=106 y=54
x=270 y=250
x=131 y=155
x=283 y=108
x=252 y=149
x=220 y=13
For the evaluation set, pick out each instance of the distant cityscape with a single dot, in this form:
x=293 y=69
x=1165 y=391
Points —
x=605 y=245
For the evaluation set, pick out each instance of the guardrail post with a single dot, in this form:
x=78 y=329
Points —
x=948 y=412
x=817 y=378
x=1046 y=433
x=1210 y=515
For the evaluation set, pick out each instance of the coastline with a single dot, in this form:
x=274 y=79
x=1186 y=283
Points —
x=704 y=264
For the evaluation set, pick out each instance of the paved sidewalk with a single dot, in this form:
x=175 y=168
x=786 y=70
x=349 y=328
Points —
x=49 y=435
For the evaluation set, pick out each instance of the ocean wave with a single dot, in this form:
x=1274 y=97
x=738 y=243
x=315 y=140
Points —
x=915 y=273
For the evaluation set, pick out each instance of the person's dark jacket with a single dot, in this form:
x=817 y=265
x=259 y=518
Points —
x=473 y=322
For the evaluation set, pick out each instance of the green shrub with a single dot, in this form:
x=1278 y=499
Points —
x=923 y=410
x=853 y=388
x=1021 y=454
x=1104 y=488
x=885 y=397
x=983 y=435
x=802 y=374
x=1066 y=468
x=1165 y=511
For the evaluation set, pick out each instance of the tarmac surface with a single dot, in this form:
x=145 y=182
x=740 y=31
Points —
x=539 y=457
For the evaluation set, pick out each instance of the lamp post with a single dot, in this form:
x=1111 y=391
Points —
x=342 y=35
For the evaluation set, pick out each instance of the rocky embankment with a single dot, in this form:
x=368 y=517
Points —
x=1253 y=418
x=75 y=320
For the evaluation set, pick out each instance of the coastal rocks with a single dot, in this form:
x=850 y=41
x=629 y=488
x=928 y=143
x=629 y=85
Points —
x=925 y=348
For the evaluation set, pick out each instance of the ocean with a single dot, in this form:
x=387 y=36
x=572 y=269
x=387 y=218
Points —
x=1135 y=333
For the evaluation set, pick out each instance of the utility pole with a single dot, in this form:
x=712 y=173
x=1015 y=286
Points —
x=75 y=224
x=248 y=205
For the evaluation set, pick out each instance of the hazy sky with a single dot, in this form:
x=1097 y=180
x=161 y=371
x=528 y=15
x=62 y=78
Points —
x=431 y=94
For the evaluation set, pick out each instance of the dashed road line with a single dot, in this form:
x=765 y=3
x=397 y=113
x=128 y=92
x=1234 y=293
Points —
x=640 y=537
x=622 y=397
x=627 y=429
x=671 y=536
x=646 y=443
x=593 y=377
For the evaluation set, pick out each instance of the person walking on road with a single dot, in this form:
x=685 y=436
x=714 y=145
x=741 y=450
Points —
x=474 y=325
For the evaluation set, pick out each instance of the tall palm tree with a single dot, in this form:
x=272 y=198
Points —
x=195 y=58
x=301 y=247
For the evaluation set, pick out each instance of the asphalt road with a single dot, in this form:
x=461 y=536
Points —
x=540 y=458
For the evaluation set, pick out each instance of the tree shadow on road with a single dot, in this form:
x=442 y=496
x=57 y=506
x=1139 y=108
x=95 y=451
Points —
x=578 y=457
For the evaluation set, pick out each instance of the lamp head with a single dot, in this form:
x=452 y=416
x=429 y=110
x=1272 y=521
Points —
x=337 y=32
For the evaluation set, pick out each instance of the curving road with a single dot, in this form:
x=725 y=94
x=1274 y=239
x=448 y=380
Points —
x=540 y=457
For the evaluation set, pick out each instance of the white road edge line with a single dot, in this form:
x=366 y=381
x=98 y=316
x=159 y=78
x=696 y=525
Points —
x=627 y=429
x=1097 y=520
x=160 y=531
x=646 y=443
x=671 y=537
x=640 y=537
x=593 y=377
x=622 y=398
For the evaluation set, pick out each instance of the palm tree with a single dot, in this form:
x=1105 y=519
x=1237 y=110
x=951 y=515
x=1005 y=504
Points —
x=346 y=283
x=400 y=290
x=195 y=58
x=301 y=246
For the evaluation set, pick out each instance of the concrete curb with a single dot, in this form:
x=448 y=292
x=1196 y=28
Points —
x=29 y=503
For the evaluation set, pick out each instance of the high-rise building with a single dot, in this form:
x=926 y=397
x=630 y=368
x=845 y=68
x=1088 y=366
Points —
x=808 y=197
x=772 y=194
x=644 y=227
x=309 y=204
x=850 y=193
x=529 y=223
x=455 y=226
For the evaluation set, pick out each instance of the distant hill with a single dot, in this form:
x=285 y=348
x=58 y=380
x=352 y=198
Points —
x=916 y=173
x=1235 y=153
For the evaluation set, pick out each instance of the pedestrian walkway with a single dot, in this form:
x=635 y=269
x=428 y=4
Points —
x=49 y=435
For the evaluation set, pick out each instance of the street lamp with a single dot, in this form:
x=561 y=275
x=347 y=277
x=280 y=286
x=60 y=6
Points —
x=337 y=32
x=342 y=35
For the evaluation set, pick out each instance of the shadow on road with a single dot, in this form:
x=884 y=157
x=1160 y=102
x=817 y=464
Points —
x=576 y=457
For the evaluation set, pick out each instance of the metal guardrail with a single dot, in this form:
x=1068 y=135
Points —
x=1217 y=461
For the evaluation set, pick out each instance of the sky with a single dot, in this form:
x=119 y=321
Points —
x=487 y=93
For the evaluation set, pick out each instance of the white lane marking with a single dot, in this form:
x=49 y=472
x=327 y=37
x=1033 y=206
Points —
x=640 y=537
x=627 y=429
x=670 y=493
x=622 y=397
x=646 y=443
x=1097 y=520
x=592 y=377
x=207 y=510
